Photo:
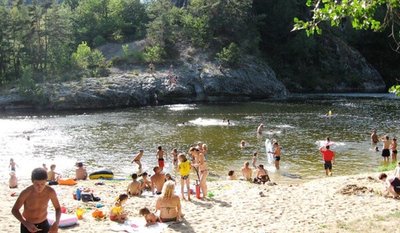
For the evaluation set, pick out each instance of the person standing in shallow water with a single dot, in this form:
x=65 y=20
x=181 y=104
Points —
x=329 y=158
x=277 y=154
x=385 y=149
x=393 y=147
x=160 y=157
x=374 y=140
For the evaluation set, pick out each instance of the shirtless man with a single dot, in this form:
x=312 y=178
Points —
x=137 y=158
x=157 y=181
x=80 y=172
x=260 y=128
x=277 y=154
x=246 y=171
x=393 y=147
x=160 y=157
x=374 y=140
x=135 y=187
x=385 y=148
x=201 y=165
x=34 y=200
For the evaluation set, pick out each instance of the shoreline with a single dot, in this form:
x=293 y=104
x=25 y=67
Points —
x=331 y=204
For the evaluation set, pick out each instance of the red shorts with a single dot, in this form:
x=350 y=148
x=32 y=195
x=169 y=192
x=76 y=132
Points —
x=161 y=163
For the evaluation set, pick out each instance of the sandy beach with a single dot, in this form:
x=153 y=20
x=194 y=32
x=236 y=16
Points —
x=333 y=204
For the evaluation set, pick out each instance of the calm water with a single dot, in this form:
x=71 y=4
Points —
x=109 y=139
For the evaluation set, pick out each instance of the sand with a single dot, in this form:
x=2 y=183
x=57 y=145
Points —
x=333 y=204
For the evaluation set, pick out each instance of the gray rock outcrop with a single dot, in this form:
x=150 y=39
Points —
x=196 y=81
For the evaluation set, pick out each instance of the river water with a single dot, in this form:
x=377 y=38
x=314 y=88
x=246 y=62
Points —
x=108 y=139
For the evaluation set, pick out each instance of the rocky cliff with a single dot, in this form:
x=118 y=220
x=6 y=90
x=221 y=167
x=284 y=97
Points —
x=197 y=80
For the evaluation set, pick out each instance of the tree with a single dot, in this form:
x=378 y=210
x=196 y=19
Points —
x=363 y=15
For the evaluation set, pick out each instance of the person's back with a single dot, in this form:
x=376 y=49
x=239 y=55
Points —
x=246 y=171
x=327 y=154
x=157 y=180
x=80 y=172
x=169 y=204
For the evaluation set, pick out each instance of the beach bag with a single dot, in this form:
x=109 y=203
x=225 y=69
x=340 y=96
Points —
x=86 y=197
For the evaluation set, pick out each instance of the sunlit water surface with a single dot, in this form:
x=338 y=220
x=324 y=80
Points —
x=109 y=139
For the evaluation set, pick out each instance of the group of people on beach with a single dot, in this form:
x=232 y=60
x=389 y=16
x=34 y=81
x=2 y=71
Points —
x=389 y=146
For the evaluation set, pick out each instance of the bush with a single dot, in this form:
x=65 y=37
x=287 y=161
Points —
x=99 y=40
x=86 y=59
x=229 y=56
x=27 y=87
x=154 y=54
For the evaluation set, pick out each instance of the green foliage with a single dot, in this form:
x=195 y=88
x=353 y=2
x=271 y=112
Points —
x=99 y=40
x=229 y=56
x=27 y=87
x=85 y=58
x=154 y=54
x=395 y=89
x=388 y=167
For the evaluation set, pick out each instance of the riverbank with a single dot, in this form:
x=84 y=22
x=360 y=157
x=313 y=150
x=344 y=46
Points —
x=334 y=204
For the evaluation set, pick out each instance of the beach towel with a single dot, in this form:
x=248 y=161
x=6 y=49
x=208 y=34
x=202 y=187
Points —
x=138 y=225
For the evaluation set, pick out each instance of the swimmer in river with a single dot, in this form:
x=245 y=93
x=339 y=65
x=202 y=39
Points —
x=374 y=140
x=242 y=144
x=260 y=128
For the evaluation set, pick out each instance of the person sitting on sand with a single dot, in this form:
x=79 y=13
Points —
x=397 y=171
x=329 y=157
x=157 y=181
x=260 y=129
x=80 y=172
x=150 y=217
x=137 y=158
x=246 y=171
x=231 y=175
x=117 y=212
x=169 y=177
x=135 y=187
x=34 y=200
x=169 y=204
x=13 y=181
x=262 y=175
x=146 y=183
x=392 y=185
x=52 y=175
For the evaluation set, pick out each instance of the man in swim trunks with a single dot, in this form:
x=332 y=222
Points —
x=374 y=140
x=277 y=155
x=35 y=199
x=385 y=149
x=393 y=147
x=329 y=157
x=137 y=158
x=157 y=181
x=392 y=184
x=160 y=157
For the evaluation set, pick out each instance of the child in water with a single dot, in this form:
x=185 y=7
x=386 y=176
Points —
x=12 y=165
x=254 y=161
x=150 y=217
x=160 y=157
x=117 y=212
x=174 y=154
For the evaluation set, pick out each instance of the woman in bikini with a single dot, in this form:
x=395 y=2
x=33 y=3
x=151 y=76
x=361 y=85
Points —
x=169 y=204
x=201 y=165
